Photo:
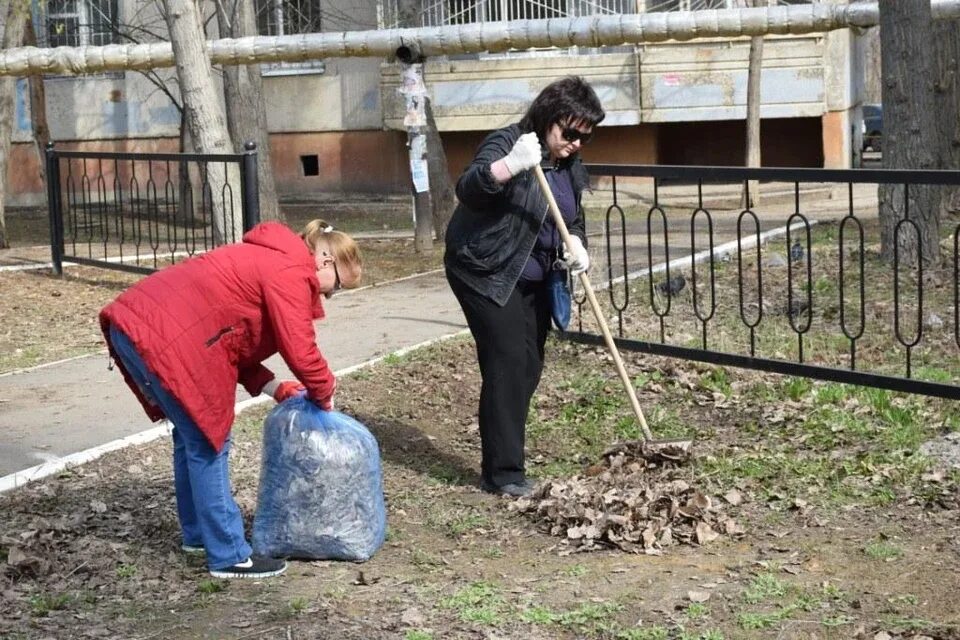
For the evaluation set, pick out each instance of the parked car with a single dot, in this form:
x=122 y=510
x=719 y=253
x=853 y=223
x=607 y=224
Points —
x=872 y=126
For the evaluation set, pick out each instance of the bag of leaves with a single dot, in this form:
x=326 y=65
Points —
x=321 y=486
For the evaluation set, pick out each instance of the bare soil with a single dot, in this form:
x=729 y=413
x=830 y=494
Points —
x=94 y=552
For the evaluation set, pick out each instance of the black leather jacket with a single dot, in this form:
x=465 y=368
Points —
x=495 y=226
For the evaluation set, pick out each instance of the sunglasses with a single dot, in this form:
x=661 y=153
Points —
x=570 y=134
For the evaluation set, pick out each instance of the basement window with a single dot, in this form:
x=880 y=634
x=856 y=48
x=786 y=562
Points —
x=311 y=165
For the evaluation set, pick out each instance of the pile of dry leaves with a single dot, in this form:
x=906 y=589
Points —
x=635 y=499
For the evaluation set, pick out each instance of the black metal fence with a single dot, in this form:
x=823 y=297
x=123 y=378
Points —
x=139 y=211
x=795 y=284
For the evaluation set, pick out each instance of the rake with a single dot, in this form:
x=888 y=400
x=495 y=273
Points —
x=678 y=449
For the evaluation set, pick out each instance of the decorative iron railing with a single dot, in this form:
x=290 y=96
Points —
x=139 y=211
x=795 y=284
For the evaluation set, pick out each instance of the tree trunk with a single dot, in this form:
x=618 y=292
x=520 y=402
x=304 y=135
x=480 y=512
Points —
x=415 y=94
x=442 y=195
x=38 y=108
x=245 y=105
x=754 y=69
x=13 y=16
x=204 y=115
x=909 y=131
x=753 y=119
x=947 y=87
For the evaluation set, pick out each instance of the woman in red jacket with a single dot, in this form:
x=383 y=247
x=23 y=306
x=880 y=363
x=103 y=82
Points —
x=186 y=335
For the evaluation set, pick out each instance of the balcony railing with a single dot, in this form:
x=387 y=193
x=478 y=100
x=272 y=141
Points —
x=437 y=13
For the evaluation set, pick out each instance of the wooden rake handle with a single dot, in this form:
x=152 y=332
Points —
x=592 y=298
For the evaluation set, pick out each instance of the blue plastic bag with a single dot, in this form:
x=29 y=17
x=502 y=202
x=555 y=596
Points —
x=559 y=298
x=321 y=486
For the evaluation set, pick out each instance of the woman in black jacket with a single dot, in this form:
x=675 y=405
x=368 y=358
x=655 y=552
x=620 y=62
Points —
x=502 y=244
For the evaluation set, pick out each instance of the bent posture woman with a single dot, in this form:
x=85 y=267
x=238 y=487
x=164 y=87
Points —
x=186 y=335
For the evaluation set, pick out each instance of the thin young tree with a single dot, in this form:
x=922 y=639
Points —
x=204 y=114
x=442 y=196
x=946 y=39
x=754 y=71
x=13 y=17
x=245 y=104
x=910 y=131
x=433 y=209
x=38 y=108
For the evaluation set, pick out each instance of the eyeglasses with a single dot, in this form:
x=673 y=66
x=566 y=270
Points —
x=571 y=134
x=337 y=285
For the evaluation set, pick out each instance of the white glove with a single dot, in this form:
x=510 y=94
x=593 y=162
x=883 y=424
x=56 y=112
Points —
x=577 y=260
x=524 y=155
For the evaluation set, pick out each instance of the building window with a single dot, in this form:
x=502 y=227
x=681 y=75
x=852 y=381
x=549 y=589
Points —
x=528 y=9
x=77 y=23
x=289 y=17
x=690 y=5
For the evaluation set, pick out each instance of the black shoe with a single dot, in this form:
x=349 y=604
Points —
x=514 y=489
x=253 y=567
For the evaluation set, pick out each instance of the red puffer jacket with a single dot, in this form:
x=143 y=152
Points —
x=206 y=324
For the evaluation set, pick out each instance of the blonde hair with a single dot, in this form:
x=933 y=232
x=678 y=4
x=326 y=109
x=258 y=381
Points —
x=342 y=246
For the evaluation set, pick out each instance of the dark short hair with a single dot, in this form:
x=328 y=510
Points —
x=564 y=100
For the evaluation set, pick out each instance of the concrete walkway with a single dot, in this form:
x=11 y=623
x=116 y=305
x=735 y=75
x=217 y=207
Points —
x=55 y=410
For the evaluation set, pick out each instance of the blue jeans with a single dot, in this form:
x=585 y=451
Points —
x=208 y=514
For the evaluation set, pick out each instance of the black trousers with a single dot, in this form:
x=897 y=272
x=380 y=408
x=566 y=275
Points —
x=510 y=346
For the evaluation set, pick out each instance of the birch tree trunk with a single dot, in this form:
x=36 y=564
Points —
x=245 y=105
x=909 y=131
x=204 y=115
x=13 y=17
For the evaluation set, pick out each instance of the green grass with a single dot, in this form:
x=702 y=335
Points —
x=575 y=571
x=42 y=604
x=716 y=379
x=796 y=388
x=752 y=620
x=424 y=560
x=463 y=523
x=697 y=611
x=479 y=602
x=445 y=474
x=908 y=623
x=587 y=617
x=882 y=550
x=906 y=599
x=298 y=605
x=208 y=586
x=763 y=588
x=655 y=632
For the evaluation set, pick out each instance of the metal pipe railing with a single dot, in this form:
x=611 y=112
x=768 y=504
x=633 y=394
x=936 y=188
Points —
x=591 y=31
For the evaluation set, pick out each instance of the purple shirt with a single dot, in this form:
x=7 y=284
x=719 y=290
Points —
x=544 y=252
